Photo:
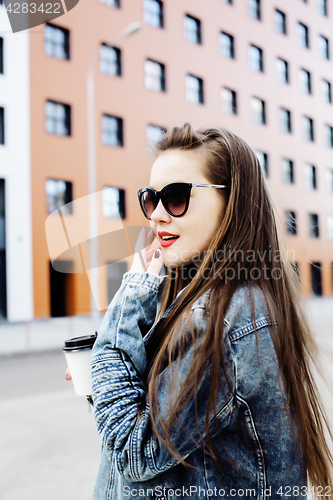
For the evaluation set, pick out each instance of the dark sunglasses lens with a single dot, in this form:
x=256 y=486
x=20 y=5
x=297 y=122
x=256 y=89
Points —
x=148 y=202
x=175 y=198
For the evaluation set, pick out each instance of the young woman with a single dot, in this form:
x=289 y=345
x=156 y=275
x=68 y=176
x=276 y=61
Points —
x=213 y=395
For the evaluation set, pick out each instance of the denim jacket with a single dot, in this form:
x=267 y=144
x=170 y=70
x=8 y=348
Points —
x=260 y=455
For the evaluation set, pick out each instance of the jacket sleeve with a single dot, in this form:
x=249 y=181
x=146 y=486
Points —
x=118 y=364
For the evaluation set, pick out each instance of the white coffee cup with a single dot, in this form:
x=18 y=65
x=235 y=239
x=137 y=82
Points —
x=78 y=353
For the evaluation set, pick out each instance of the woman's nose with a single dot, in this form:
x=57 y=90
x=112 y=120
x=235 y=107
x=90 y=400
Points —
x=160 y=214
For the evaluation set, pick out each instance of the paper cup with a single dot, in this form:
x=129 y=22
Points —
x=78 y=353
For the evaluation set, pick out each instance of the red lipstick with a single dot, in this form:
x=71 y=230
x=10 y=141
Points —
x=167 y=242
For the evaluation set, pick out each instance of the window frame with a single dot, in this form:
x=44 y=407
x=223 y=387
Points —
x=283 y=16
x=222 y=46
x=119 y=131
x=291 y=222
x=314 y=226
x=305 y=83
x=189 y=91
x=255 y=113
x=256 y=61
x=198 y=33
x=2 y=56
x=254 y=9
x=65 y=45
x=67 y=120
x=153 y=77
x=286 y=79
x=286 y=119
x=68 y=197
x=146 y=13
x=117 y=63
x=288 y=172
x=306 y=39
x=121 y=205
x=229 y=106
x=308 y=129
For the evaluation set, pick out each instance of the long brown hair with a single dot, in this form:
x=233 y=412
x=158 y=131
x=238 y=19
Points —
x=248 y=225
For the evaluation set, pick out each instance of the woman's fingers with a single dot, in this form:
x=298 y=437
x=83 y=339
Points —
x=156 y=262
x=68 y=374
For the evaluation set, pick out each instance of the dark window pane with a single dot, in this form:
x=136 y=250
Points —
x=59 y=193
x=2 y=126
x=192 y=29
x=291 y=223
x=112 y=131
x=109 y=60
x=1 y=55
x=56 y=41
x=153 y=13
x=57 y=118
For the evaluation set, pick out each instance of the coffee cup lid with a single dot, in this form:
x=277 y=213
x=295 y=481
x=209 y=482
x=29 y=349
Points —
x=78 y=343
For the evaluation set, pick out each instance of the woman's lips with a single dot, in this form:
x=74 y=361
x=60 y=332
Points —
x=167 y=243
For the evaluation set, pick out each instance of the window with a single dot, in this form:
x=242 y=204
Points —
x=227 y=1
x=285 y=120
x=324 y=49
x=291 y=223
x=57 y=118
x=254 y=9
x=280 y=22
x=316 y=279
x=263 y=160
x=329 y=180
x=59 y=193
x=288 y=171
x=282 y=71
x=326 y=89
x=310 y=176
x=227 y=46
x=192 y=29
x=111 y=3
x=56 y=41
x=154 y=76
x=153 y=13
x=305 y=81
x=258 y=110
x=308 y=129
x=330 y=227
x=256 y=58
x=112 y=131
x=2 y=126
x=303 y=35
x=1 y=56
x=329 y=136
x=314 y=225
x=113 y=202
x=229 y=101
x=194 y=89
x=322 y=7
x=109 y=60
x=153 y=135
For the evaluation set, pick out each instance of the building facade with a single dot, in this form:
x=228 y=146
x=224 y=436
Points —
x=264 y=70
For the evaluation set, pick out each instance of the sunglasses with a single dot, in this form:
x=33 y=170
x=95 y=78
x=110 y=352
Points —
x=175 y=198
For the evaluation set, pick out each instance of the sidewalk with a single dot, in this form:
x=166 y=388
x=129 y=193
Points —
x=49 y=334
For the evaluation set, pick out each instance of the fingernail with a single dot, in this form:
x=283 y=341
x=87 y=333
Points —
x=156 y=254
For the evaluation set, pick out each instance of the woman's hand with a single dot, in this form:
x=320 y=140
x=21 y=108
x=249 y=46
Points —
x=149 y=261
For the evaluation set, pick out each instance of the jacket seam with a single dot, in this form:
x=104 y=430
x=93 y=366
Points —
x=248 y=329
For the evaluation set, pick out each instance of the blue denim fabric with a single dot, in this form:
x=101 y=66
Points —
x=260 y=456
